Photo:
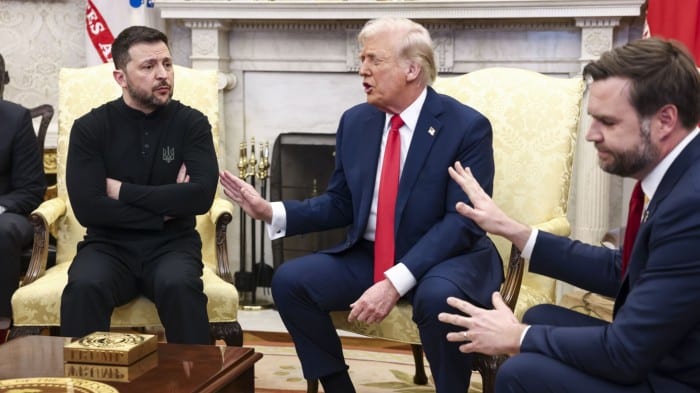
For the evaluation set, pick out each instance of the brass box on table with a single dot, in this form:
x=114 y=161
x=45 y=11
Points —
x=109 y=356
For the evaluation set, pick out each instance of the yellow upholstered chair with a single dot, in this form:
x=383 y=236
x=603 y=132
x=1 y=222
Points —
x=36 y=304
x=535 y=120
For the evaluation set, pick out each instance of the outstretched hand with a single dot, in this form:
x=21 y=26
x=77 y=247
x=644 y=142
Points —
x=245 y=196
x=484 y=211
x=492 y=332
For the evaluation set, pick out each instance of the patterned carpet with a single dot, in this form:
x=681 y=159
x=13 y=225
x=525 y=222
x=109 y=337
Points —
x=376 y=366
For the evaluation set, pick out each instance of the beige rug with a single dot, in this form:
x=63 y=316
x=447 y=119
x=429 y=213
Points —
x=376 y=366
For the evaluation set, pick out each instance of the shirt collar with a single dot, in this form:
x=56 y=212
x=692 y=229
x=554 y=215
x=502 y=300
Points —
x=651 y=182
x=410 y=114
x=135 y=113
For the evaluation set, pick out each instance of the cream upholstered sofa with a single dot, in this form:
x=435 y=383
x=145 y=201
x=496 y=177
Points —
x=36 y=304
x=535 y=120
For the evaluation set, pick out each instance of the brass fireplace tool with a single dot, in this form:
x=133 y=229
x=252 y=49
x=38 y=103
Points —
x=260 y=274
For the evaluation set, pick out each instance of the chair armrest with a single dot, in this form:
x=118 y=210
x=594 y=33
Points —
x=221 y=214
x=42 y=219
x=558 y=226
x=510 y=290
x=219 y=208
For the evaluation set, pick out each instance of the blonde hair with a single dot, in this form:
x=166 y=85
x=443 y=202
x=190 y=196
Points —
x=414 y=42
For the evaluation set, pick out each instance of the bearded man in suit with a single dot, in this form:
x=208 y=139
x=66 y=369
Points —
x=645 y=106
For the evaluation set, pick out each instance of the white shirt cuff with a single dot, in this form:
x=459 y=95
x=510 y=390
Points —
x=526 y=252
x=277 y=228
x=522 y=336
x=401 y=278
x=2 y=209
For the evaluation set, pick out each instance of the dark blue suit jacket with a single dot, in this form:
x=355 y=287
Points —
x=655 y=334
x=431 y=237
x=22 y=182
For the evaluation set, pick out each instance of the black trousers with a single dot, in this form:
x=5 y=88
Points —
x=15 y=235
x=105 y=275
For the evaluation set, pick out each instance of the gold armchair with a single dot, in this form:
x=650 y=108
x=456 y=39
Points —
x=535 y=119
x=45 y=114
x=36 y=304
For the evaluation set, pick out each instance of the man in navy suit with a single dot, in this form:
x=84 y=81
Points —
x=438 y=252
x=645 y=104
x=22 y=187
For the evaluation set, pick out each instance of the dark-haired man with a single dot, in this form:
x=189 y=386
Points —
x=139 y=169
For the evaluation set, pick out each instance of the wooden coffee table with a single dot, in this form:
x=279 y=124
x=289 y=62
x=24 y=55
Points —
x=181 y=368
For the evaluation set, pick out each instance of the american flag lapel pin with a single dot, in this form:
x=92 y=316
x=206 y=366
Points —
x=431 y=131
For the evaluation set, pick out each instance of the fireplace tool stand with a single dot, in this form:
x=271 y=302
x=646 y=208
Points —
x=260 y=274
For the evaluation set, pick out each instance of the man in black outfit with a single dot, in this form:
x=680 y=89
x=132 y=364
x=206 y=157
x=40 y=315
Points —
x=22 y=187
x=139 y=169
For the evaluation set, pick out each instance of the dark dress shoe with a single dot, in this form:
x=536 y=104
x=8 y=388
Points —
x=3 y=335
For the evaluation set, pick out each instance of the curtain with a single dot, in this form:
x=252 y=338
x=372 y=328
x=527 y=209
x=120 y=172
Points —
x=676 y=19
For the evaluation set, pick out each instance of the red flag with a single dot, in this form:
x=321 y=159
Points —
x=105 y=19
x=676 y=19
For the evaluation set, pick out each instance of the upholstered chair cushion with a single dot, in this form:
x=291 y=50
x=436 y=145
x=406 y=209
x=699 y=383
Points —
x=535 y=119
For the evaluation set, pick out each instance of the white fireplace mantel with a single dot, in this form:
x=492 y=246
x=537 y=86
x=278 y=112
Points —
x=291 y=65
x=416 y=9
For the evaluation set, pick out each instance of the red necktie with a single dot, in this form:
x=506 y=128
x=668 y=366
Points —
x=634 y=218
x=386 y=203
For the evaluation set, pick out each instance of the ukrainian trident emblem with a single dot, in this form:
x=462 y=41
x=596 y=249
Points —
x=168 y=154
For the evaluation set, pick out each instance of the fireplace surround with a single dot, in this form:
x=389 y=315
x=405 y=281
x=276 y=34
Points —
x=292 y=64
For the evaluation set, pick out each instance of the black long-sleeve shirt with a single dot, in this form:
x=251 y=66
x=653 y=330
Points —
x=145 y=152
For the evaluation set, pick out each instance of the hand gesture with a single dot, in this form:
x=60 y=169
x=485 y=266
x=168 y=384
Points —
x=484 y=212
x=492 y=332
x=245 y=196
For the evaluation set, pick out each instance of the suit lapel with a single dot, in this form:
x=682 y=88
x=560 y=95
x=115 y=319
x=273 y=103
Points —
x=427 y=129
x=680 y=165
x=688 y=156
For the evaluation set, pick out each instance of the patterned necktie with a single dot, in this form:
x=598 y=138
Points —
x=634 y=218
x=386 y=204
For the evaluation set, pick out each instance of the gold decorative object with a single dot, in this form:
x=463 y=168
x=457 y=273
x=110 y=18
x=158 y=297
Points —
x=250 y=169
x=264 y=164
x=54 y=385
x=251 y=162
x=242 y=160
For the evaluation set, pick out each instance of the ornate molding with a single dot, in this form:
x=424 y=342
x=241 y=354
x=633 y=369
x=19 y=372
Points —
x=417 y=9
x=207 y=24
x=210 y=44
x=596 y=36
x=295 y=26
x=444 y=46
x=227 y=81
x=352 y=48
x=50 y=165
